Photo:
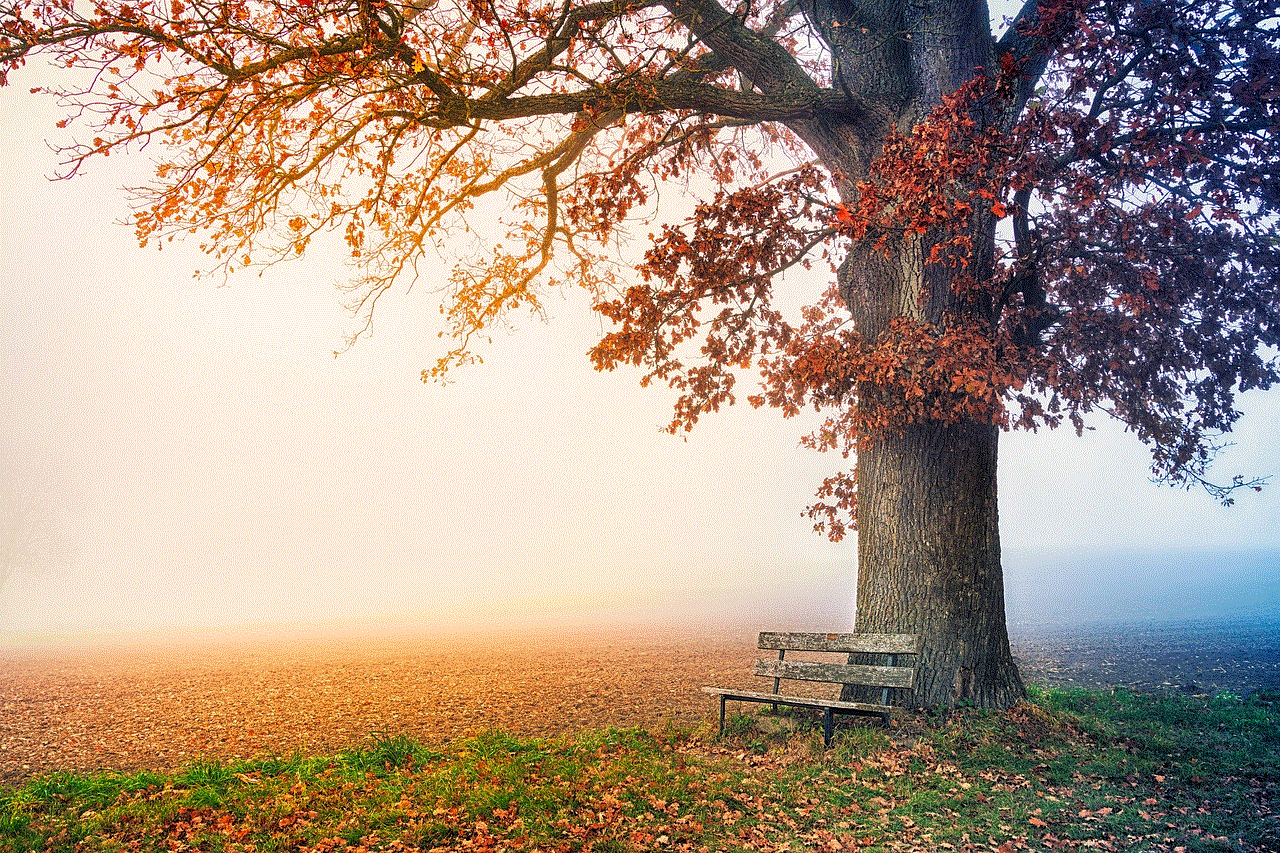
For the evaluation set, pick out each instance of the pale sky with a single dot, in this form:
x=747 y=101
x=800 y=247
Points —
x=216 y=467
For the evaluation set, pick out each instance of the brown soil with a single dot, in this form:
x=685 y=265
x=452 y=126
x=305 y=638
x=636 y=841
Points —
x=134 y=708
x=1237 y=657
x=129 y=709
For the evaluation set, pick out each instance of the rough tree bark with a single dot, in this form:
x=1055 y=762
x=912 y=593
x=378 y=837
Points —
x=929 y=559
x=928 y=539
x=928 y=524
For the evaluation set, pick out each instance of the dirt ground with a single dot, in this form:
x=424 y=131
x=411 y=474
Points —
x=128 y=708
x=1237 y=657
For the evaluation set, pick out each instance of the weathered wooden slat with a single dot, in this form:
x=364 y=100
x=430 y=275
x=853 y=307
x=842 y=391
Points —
x=835 y=673
x=838 y=673
x=899 y=644
x=799 y=701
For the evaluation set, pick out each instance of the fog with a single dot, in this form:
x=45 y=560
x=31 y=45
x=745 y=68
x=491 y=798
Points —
x=198 y=463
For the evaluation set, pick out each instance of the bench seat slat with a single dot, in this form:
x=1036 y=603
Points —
x=838 y=673
x=798 y=701
x=897 y=644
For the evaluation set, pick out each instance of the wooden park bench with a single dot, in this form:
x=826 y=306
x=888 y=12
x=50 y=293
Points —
x=891 y=677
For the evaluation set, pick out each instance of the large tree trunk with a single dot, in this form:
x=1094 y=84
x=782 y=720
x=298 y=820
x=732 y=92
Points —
x=929 y=559
x=928 y=526
x=928 y=543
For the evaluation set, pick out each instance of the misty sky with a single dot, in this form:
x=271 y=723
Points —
x=212 y=465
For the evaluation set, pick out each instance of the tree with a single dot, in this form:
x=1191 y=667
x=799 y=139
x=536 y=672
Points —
x=1078 y=216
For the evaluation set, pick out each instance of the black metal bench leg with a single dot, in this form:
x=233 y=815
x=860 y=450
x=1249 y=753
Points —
x=722 y=701
x=827 y=725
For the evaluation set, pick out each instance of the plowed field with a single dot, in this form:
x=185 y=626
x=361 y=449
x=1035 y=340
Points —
x=136 y=707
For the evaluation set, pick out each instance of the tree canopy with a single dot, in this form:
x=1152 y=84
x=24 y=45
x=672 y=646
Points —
x=1131 y=145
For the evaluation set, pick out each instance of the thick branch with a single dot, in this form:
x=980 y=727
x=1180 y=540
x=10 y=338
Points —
x=662 y=96
x=761 y=60
x=1040 y=28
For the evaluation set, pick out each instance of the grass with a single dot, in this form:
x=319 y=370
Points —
x=1069 y=770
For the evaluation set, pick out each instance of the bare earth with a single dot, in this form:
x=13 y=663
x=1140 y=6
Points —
x=135 y=708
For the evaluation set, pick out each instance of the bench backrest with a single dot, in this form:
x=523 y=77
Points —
x=892 y=675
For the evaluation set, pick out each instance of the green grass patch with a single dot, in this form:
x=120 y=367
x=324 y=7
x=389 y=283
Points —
x=1069 y=770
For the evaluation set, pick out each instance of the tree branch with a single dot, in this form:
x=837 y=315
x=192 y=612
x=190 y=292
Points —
x=762 y=60
x=1037 y=31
